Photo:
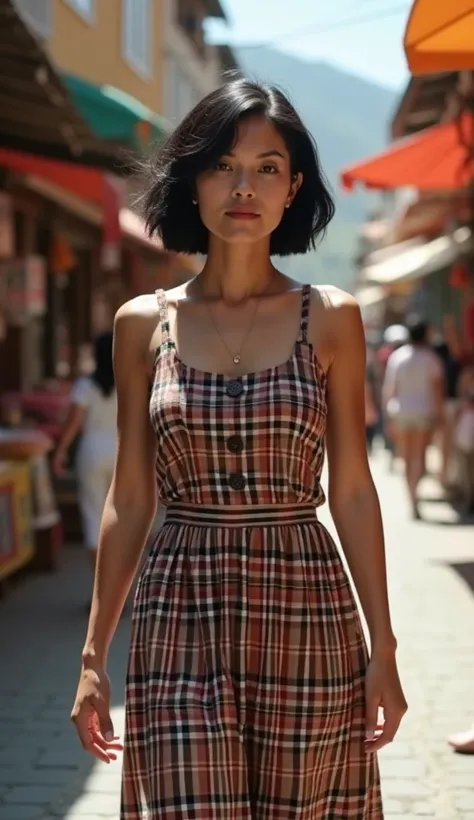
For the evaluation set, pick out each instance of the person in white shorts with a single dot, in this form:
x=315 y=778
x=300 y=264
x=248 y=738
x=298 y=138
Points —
x=92 y=412
x=413 y=394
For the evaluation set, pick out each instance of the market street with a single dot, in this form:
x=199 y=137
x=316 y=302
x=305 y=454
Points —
x=45 y=774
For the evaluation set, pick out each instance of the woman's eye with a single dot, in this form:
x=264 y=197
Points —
x=222 y=166
x=269 y=169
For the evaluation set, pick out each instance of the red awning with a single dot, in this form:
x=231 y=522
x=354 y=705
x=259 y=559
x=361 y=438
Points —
x=80 y=180
x=86 y=183
x=434 y=160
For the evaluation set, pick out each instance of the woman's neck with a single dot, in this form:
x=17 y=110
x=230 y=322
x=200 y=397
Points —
x=235 y=273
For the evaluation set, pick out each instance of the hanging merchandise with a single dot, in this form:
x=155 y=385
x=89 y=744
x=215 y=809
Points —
x=113 y=198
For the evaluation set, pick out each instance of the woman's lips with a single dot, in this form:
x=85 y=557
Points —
x=241 y=215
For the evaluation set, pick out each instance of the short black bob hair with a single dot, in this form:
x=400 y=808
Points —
x=203 y=137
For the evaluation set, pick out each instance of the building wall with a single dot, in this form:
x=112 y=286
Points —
x=188 y=76
x=93 y=48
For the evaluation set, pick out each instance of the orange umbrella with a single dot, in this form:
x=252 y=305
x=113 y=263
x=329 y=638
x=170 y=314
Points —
x=440 y=36
x=436 y=159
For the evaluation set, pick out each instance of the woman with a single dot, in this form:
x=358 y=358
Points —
x=93 y=413
x=249 y=690
x=413 y=395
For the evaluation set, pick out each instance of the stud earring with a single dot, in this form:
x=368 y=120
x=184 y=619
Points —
x=288 y=204
x=195 y=202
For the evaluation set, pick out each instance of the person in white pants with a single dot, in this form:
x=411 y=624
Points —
x=92 y=412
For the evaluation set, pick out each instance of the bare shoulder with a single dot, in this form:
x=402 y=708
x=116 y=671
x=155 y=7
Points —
x=336 y=319
x=135 y=324
x=139 y=309
x=335 y=300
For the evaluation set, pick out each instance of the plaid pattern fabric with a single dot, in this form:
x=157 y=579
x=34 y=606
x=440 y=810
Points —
x=245 y=687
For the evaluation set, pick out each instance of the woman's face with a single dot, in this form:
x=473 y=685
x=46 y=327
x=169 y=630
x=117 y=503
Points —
x=243 y=198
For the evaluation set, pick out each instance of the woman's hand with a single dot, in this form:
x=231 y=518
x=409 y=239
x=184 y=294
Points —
x=383 y=690
x=91 y=714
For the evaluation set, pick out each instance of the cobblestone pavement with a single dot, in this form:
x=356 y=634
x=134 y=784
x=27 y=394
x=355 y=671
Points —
x=45 y=774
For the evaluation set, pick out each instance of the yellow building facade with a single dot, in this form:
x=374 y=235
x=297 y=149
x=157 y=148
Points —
x=115 y=42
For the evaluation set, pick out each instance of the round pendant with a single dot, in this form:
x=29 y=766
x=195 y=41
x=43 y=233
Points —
x=236 y=359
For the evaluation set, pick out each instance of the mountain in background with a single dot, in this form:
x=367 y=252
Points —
x=349 y=119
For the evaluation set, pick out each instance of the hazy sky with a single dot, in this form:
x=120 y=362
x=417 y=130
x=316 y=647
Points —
x=362 y=37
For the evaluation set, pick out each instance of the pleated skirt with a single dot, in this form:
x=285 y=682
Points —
x=245 y=686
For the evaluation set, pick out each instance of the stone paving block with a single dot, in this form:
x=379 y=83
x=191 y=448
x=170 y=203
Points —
x=18 y=757
x=16 y=812
x=403 y=788
x=90 y=805
x=25 y=738
x=73 y=815
x=461 y=780
x=391 y=806
x=422 y=810
x=464 y=800
x=53 y=758
x=32 y=775
x=102 y=785
x=409 y=768
x=32 y=794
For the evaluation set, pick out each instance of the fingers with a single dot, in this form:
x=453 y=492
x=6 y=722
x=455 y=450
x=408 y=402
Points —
x=371 y=717
x=387 y=730
x=81 y=720
x=87 y=723
x=105 y=721
x=390 y=729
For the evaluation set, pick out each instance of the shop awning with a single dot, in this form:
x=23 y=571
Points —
x=36 y=112
x=440 y=36
x=84 y=182
x=369 y=296
x=420 y=259
x=435 y=159
x=114 y=115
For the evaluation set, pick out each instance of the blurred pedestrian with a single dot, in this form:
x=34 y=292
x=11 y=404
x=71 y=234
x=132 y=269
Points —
x=250 y=692
x=413 y=395
x=394 y=336
x=93 y=416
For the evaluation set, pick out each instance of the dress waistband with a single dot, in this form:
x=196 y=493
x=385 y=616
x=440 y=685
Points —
x=261 y=515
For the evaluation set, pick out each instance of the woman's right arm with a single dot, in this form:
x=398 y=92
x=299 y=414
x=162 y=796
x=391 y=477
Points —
x=128 y=514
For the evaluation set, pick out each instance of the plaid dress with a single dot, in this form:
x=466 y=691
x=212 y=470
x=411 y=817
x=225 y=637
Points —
x=245 y=687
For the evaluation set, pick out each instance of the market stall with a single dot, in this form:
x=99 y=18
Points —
x=30 y=524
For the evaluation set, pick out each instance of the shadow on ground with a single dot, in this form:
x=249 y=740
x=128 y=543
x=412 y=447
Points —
x=43 y=769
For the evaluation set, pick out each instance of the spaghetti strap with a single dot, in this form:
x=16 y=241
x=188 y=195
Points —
x=305 y=305
x=164 y=319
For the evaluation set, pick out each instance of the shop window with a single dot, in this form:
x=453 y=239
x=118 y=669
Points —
x=85 y=8
x=136 y=28
x=37 y=14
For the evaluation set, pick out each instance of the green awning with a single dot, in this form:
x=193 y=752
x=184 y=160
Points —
x=114 y=115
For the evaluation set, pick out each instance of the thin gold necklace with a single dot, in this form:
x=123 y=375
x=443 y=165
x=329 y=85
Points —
x=236 y=357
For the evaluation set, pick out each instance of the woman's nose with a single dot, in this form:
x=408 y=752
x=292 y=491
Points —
x=243 y=188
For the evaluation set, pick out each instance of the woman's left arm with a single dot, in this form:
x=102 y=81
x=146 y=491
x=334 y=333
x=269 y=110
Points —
x=356 y=513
